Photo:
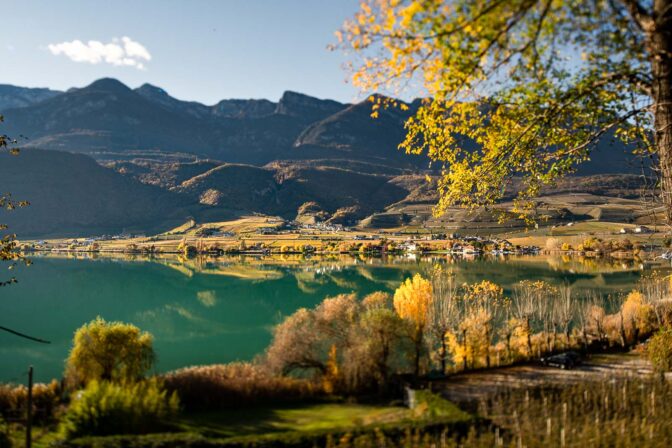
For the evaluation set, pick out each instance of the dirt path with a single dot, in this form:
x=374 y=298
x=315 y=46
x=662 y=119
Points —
x=469 y=387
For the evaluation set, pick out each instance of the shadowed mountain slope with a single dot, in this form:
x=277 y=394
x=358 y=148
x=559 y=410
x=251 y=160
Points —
x=71 y=194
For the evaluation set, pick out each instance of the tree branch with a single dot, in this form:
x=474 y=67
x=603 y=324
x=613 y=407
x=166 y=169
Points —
x=22 y=335
x=639 y=15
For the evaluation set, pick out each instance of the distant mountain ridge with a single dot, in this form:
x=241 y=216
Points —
x=107 y=116
x=13 y=96
x=166 y=160
x=109 y=120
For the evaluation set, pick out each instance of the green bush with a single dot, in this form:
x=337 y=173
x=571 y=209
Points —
x=659 y=350
x=109 y=351
x=105 y=408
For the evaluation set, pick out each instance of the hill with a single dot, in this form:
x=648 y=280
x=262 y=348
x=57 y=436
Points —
x=284 y=188
x=70 y=194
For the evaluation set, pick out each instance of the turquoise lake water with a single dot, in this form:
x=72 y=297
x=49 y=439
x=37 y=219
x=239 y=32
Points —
x=220 y=310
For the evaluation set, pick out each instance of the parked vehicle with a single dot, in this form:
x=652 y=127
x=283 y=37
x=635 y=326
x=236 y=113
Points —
x=567 y=360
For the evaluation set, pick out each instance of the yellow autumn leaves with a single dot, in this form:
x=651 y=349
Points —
x=412 y=300
x=490 y=73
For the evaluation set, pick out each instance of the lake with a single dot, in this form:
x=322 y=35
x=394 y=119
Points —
x=204 y=311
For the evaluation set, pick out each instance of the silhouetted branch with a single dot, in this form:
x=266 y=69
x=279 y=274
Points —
x=9 y=330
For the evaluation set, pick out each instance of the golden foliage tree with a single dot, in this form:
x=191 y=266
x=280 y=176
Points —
x=109 y=351
x=412 y=301
x=535 y=83
x=479 y=308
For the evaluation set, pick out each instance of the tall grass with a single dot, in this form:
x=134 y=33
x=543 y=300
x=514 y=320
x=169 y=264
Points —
x=231 y=385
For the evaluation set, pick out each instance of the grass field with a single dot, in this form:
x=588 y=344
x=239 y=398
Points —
x=241 y=422
x=294 y=420
x=578 y=232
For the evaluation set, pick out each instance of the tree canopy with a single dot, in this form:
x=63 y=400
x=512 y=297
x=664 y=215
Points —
x=109 y=351
x=520 y=88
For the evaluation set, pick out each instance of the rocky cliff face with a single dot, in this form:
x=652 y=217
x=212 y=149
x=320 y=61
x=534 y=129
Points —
x=307 y=108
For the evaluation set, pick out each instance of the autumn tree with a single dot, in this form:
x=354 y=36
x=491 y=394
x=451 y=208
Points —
x=638 y=316
x=563 y=312
x=295 y=344
x=484 y=300
x=320 y=340
x=347 y=344
x=380 y=333
x=535 y=84
x=444 y=313
x=524 y=305
x=109 y=351
x=412 y=300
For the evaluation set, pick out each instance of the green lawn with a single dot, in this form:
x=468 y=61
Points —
x=312 y=417
x=268 y=422
x=301 y=418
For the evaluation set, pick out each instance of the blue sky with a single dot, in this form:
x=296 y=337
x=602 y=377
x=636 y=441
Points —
x=202 y=50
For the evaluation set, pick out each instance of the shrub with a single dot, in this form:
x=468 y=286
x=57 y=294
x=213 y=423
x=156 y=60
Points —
x=659 y=350
x=131 y=248
x=109 y=351
x=187 y=249
x=625 y=244
x=46 y=399
x=229 y=385
x=553 y=244
x=106 y=408
x=566 y=246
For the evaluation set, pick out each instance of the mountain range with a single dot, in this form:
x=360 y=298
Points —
x=161 y=159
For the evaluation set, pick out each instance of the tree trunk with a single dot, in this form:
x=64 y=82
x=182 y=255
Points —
x=487 y=347
x=444 y=354
x=508 y=347
x=624 y=339
x=661 y=69
x=418 y=353
x=529 y=337
x=464 y=357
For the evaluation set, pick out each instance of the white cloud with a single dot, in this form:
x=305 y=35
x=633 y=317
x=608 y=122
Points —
x=124 y=52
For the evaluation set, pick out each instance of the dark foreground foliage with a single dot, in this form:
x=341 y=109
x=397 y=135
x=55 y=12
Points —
x=612 y=413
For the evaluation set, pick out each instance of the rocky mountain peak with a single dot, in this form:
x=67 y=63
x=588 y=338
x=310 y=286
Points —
x=298 y=104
